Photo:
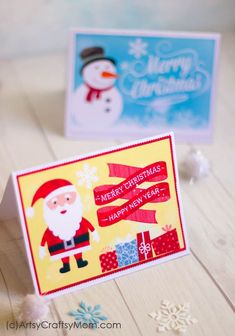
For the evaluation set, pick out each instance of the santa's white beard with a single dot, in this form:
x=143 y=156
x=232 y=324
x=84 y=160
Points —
x=64 y=225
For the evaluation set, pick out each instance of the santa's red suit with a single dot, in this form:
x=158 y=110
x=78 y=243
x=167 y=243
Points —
x=59 y=248
x=60 y=192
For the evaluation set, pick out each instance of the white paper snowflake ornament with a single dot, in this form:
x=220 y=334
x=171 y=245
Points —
x=33 y=309
x=173 y=317
x=195 y=166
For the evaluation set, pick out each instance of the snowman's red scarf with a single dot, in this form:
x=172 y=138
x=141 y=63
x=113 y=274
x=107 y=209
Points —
x=95 y=93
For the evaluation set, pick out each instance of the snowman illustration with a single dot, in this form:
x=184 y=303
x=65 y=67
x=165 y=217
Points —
x=97 y=103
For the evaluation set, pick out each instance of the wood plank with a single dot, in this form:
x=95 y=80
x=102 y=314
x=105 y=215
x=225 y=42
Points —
x=211 y=233
x=220 y=152
x=6 y=310
x=17 y=283
x=116 y=310
x=179 y=281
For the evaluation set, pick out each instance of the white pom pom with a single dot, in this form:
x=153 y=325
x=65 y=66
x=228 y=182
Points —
x=33 y=308
x=195 y=166
x=30 y=212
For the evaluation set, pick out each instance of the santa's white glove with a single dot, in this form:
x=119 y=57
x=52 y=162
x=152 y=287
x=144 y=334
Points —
x=95 y=236
x=42 y=252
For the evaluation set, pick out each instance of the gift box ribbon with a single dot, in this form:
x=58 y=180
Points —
x=144 y=248
x=144 y=245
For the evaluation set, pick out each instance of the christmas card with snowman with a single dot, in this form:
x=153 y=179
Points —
x=134 y=84
x=99 y=216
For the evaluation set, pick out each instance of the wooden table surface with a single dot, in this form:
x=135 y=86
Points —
x=32 y=97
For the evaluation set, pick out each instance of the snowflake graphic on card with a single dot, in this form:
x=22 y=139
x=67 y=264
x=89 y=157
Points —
x=138 y=48
x=87 y=176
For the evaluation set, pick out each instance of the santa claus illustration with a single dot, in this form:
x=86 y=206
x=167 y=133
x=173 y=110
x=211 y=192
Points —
x=67 y=232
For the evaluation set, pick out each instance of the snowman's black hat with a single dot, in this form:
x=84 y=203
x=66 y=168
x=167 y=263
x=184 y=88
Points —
x=93 y=54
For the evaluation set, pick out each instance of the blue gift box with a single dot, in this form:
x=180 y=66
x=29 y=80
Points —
x=127 y=253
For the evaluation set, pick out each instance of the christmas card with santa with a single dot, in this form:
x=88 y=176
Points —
x=98 y=216
x=134 y=84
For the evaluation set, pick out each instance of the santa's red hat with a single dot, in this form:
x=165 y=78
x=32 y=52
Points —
x=48 y=190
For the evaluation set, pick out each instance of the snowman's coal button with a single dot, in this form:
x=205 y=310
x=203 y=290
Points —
x=108 y=100
x=107 y=110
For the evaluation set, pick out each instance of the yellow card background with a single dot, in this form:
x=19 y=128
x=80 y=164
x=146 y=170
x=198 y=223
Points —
x=166 y=213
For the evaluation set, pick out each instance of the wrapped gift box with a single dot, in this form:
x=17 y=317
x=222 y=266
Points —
x=144 y=245
x=127 y=253
x=166 y=243
x=108 y=261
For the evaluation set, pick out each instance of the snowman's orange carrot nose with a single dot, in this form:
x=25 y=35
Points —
x=106 y=74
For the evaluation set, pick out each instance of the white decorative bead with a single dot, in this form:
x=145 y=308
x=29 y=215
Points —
x=33 y=308
x=195 y=166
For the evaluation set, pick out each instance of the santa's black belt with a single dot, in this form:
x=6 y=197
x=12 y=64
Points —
x=69 y=243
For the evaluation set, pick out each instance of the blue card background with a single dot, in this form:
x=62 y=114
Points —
x=182 y=77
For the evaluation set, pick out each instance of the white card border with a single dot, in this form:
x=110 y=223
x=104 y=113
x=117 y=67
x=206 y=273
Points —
x=120 y=272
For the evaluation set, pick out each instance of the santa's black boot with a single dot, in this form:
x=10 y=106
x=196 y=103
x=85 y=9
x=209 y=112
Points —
x=82 y=263
x=65 y=268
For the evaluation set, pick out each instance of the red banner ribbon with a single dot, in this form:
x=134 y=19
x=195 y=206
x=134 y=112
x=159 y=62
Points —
x=139 y=215
x=127 y=196
x=124 y=171
x=130 y=210
x=154 y=172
